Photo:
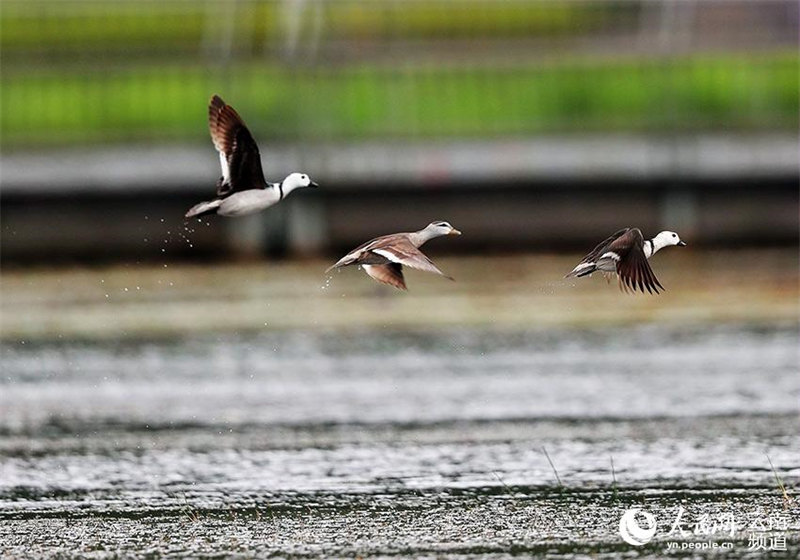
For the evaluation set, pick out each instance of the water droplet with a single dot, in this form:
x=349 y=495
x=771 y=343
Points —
x=327 y=283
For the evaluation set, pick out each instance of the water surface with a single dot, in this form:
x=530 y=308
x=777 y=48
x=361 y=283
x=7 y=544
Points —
x=385 y=443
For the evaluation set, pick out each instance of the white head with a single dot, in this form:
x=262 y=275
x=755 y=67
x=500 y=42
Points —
x=438 y=228
x=295 y=181
x=666 y=239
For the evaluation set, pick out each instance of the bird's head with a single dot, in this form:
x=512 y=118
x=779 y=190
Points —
x=442 y=228
x=295 y=181
x=668 y=238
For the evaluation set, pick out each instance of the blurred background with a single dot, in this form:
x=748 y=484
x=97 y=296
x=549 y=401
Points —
x=530 y=124
x=159 y=375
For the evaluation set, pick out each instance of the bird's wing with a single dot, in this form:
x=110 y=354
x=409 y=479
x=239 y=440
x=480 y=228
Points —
x=589 y=263
x=400 y=250
x=602 y=247
x=632 y=266
x=362 y=254
x=239 y=156
x=359 y=254
x=390 y=273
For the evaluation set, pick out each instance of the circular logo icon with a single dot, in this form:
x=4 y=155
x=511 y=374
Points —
x=630 y=530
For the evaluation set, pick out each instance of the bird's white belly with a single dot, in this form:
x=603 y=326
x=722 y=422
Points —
x=248 y=202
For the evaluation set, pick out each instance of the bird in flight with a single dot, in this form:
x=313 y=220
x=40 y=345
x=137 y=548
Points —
x=626 y=253
x=242 y=189
x=383 y=258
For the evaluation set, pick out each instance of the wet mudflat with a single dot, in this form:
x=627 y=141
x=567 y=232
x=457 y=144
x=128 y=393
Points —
x=426 y=442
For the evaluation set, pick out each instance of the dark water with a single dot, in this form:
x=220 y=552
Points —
x=397 y=444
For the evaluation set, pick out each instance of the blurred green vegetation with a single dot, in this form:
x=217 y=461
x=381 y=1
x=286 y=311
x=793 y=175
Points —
x=47 y=25
x=90 y=72
x=168 y=103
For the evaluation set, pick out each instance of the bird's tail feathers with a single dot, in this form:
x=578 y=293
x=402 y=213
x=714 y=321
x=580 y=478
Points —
x=344 y=261
x=203 y=208
x=583 y=269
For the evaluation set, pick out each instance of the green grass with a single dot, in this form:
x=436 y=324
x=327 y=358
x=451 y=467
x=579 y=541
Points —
x=79 y=71
x=167 y=102
x=45 y=25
